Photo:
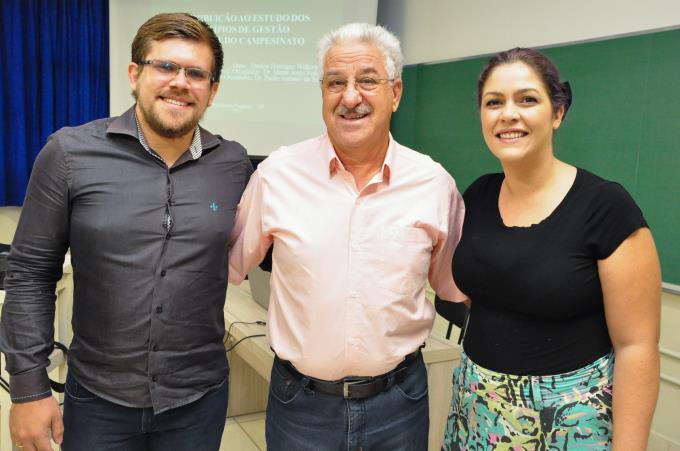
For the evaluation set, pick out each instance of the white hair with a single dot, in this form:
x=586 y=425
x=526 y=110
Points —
x=386 y=42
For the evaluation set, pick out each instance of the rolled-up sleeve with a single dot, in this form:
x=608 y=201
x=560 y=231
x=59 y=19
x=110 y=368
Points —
x=34 y=267
x=440 y=274
x=249 y=243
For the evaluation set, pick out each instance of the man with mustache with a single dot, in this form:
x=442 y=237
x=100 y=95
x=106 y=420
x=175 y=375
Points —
x=145 y=202
x=358 y=223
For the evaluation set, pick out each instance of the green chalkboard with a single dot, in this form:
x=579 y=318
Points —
x=624 y=124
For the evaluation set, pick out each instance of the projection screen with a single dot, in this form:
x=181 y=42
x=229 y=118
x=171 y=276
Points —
x=269 y=92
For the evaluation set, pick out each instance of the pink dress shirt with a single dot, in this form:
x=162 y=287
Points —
x=349 y=266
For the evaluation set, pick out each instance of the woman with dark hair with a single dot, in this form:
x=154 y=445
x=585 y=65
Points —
x=561 y=346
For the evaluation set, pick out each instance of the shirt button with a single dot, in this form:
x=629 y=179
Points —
x=155 y=348
x=154 y=378
x=163 y=273
x=159 y=309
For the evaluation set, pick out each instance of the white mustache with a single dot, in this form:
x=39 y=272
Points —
x=362 y=108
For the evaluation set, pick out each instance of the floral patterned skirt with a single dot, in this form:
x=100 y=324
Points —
x=568 y=411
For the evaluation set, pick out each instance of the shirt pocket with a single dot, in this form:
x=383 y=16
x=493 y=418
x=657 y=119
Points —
x=402 y=259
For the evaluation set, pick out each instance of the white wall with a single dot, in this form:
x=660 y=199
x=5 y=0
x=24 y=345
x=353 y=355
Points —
x=439 y=30
x=667 y=417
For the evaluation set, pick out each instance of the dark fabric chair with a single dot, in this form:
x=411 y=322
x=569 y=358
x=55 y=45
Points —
x=4 y=253
x=455 y=312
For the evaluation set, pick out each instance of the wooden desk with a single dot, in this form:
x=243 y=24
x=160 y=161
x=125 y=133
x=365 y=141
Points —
x=251 y=363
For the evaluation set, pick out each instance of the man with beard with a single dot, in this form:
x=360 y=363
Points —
x=145 y=202
x=358 y=224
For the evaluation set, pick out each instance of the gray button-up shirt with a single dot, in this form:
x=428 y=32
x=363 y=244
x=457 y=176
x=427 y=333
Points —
x=149 y=248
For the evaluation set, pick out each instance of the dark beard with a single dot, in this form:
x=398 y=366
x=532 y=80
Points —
x=158 y=127
x=169 y=132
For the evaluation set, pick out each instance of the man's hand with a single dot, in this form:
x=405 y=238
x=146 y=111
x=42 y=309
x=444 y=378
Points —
x=30 y=424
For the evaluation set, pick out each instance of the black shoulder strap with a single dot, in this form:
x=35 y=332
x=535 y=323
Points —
x=58 y=386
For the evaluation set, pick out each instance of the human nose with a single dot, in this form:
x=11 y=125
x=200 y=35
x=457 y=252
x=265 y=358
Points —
x=180 y=78
x=509 y=112
x=351 y=96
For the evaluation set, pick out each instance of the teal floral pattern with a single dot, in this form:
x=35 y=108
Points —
x=495 y=411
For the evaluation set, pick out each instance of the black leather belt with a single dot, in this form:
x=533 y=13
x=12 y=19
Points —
x=354 y=387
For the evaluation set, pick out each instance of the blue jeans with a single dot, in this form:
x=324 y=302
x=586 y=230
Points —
x=92 y=423
x=300 y=419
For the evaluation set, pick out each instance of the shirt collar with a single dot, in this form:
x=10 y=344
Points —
x=195 y=148
x=334 y=163
x=127 y=124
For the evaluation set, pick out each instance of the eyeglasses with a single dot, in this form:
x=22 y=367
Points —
x=169 y=70
x=364 y=84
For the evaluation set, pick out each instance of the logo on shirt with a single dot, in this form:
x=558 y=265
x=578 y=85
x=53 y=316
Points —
x=214 y=206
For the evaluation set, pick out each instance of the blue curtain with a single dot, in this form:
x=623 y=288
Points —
x=55 y=72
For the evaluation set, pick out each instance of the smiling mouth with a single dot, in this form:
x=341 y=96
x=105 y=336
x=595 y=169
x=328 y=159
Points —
x=511 y=135
x=354 y=116
x=174 y=101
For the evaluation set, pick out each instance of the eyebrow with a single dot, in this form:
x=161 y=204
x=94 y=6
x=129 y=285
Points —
x=175 y=62
x=521 y=91
x=363 y=71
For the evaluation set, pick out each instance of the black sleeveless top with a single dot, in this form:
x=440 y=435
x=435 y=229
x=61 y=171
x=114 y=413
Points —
x=536 y=297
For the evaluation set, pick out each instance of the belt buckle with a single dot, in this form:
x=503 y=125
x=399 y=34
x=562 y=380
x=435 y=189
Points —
x=345 y=387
